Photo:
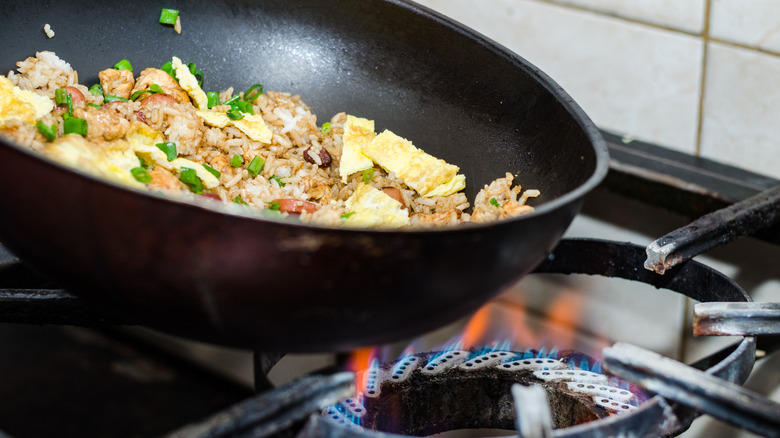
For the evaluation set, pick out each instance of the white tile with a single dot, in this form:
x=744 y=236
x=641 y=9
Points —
x=755 y=23
x=742 y=109
x=628 y=77
x=686 y=15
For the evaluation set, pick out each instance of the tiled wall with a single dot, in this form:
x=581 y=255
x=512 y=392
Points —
x=699 y=76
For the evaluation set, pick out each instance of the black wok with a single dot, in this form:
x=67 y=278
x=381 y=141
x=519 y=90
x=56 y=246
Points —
x=242 y=281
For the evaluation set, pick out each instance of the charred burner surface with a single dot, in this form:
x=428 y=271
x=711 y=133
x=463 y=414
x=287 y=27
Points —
x=428 y=393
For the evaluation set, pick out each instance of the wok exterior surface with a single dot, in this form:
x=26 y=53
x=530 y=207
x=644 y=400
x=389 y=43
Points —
x=254 y=283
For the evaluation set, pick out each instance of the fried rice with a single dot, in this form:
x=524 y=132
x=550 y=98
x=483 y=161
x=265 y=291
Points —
x=300 y=175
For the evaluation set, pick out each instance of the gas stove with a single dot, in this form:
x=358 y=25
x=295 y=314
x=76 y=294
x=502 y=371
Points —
x=83 y=375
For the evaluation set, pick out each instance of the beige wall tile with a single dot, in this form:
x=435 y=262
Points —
x=686 y=15
x=741 y=118
x=755 y=23
x=628 y=77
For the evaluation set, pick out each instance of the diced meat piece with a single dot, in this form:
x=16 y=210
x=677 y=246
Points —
x=163 y=178
x=117 y=82
x=106 y=123
x=151 y=76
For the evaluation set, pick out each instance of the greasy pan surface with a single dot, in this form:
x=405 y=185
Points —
x=256 y=283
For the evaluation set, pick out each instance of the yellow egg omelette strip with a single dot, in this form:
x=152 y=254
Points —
x=112 y=162
x=358 y=132
x=370 y=207
x=24 y=105
x=189 y=83
x=252 y=125
x=428 y=175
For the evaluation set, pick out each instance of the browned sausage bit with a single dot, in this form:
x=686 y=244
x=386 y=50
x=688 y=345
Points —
x=295 y=206
x=324 y=157
x=395 y=194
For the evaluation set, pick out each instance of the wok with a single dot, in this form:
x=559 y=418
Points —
x=237 y=280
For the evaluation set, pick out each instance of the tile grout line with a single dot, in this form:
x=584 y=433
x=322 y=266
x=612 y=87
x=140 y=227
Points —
x=705 y=37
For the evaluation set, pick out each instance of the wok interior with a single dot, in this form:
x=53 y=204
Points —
x=424 y=79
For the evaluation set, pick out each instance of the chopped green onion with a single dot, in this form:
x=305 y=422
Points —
x=244 y=107
x=253 y=92
x=325 y=128
x=212 y=170
x=63 y=98
x=49 y=132
x=278 y=180
x=124 y=65
x=195 y=72
x=141 y=175
x=494 y=202
x=190 y=177
x=168 y=16
x=347 y=215
x=169 y=149
x=368 y=175
x=154 y=88
x=96 y=90
x=239 y=200
x=168 y=68
x=232 y=100
x=235 y=114
x=75 y=125
x=213 y=98
x=274 y=205
x=236 y=161
x=256 y=166
x=111 y=98
x=94 y=105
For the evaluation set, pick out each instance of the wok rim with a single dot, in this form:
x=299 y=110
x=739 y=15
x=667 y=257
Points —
x=592 y=133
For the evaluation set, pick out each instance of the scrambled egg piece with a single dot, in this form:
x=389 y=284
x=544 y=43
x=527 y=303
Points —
x=112 y=161
x=428 y=175
x=252 y=124
x=189 y=83
x=358 y=132
x=143 y=142
x=24 y=105
x=371 y=207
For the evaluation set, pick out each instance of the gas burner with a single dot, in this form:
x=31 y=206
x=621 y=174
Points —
x=428 y=393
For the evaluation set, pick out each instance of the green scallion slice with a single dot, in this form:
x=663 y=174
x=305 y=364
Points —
x=74 y=125
x=111 y=98
x=50 y=132
x=232 y=100
x=494 y=202
x=347 y=215
x=244 y=107
x=368 y=175
x=168 y=16
x=274 y=206
x=253 y=92
x=94 y=105
x=212 y=170
x=235 y=114
x=195 y=72
x=239 y=200
x=278 y=180
x=189 y=177
x=169 y=148
x=141 y=175
x=236 y=161
x=96 y=90
x=168 y=68
x=325 y=128
x=213 y=98
x=63 y=98
x=256 y=166
x=124 y=65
